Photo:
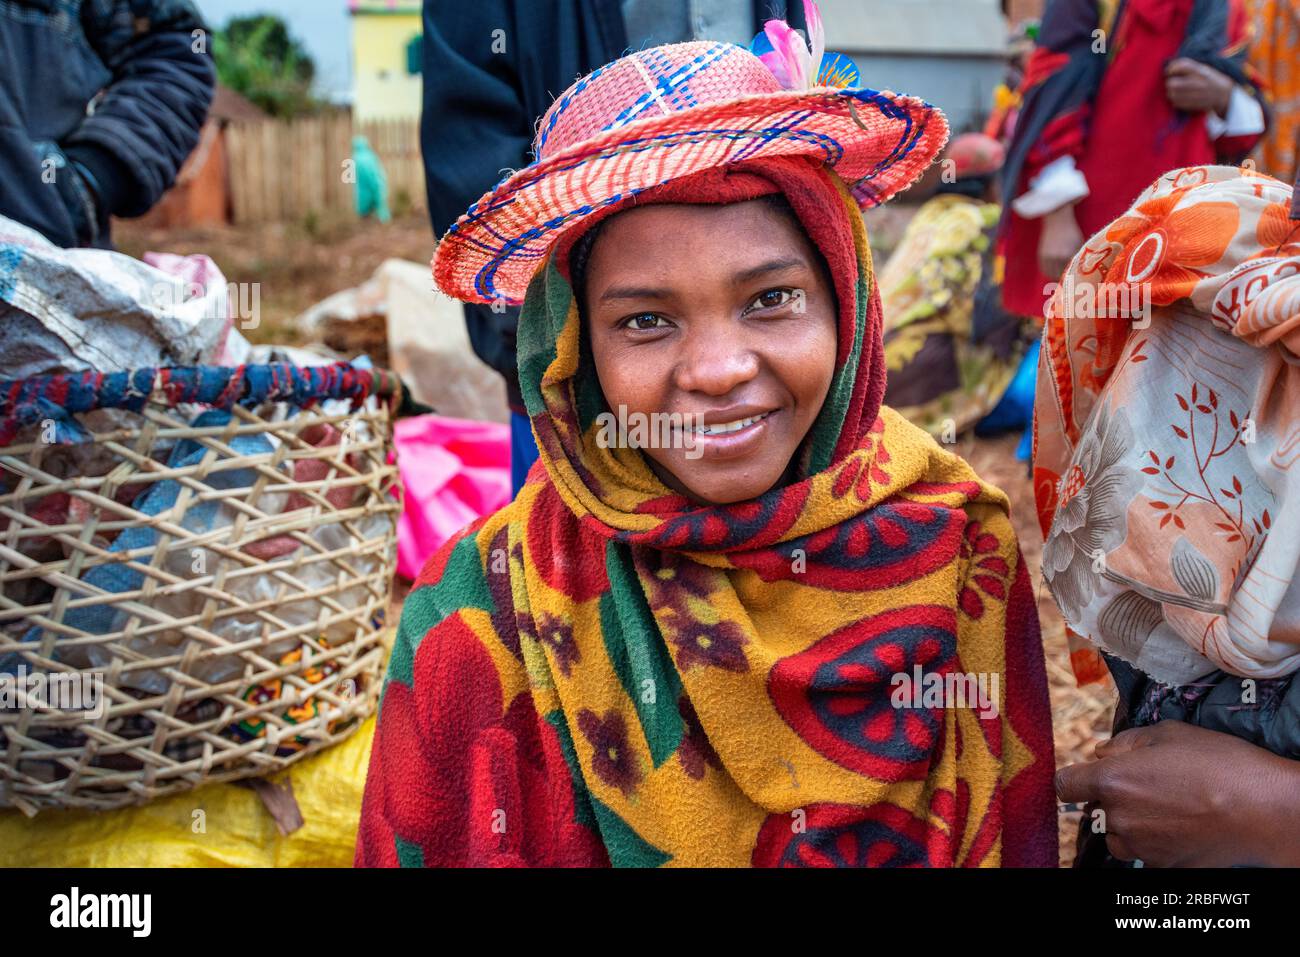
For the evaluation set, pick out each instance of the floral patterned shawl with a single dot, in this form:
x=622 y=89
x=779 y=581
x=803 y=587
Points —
x=1164 y=454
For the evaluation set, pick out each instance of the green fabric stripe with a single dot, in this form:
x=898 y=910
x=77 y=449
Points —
x=639 y=655
x=588 y=397
x=830 y=421
x=408 y=854
x=546 y=306
x=411 y=629
x=462 y=585
x=582 y=812
x=626 y=847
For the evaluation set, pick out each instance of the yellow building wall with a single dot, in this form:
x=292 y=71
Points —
x=382 y=88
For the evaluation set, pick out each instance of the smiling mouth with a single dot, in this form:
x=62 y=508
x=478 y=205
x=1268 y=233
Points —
x=724 y=428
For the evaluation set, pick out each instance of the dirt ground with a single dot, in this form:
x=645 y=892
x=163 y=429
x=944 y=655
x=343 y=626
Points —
x=301 y=264
x=297 y=264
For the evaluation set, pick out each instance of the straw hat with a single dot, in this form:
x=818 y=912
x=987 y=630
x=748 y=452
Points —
x=664 y=113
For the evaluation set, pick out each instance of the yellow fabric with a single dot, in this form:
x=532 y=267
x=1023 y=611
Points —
x=238 y=830
x=1275 y=55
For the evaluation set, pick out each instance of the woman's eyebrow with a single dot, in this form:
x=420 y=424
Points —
x=738 y=279
x=635 y=292
x=771 y=266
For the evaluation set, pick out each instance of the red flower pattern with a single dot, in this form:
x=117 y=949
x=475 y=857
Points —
x=989 y=572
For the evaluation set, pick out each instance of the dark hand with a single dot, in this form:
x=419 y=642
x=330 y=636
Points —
x=1193 y=87
x=1175 y=795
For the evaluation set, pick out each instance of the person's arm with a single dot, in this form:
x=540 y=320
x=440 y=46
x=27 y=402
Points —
x=1176 y=795
x=474 y=128
x=1243 y=116
x=143 y=125
x=1234 y=116
x=1212 y=77
x=1058 y=184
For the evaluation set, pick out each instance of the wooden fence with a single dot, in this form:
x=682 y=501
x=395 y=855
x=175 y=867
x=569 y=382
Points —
x=286 y=170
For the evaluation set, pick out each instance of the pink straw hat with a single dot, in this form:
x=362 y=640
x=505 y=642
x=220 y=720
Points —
x=664 y=113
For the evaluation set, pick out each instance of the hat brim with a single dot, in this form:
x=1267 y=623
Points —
x=878 y=142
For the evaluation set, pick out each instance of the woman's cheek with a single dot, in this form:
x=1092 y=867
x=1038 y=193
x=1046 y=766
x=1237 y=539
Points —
x=634 y=378
x=804 y=360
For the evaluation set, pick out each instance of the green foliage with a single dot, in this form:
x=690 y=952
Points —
x=257 y=57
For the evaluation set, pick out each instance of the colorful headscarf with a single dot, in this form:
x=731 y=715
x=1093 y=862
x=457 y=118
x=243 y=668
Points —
x=1164 y=454
x=603 y=672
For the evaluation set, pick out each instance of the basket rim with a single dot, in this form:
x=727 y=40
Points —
x=23 y=402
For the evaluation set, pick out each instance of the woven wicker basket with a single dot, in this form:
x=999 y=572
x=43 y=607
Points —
x=210 y=553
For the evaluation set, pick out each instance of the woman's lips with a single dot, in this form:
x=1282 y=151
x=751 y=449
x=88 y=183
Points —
x=730 y=444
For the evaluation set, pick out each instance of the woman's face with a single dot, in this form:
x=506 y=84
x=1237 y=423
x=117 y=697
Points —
x=724 y=312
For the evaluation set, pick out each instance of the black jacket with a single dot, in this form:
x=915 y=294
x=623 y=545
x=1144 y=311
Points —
x=481 y=106
x=101 y=101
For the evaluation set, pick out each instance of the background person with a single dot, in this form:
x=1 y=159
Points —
x=947 y=367
x=1275 y=57
x=1115 y=95
x=1168 y=492
x=101 y=101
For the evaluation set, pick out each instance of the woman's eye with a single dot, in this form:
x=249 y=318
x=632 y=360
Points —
x=772 y=298
x=643 y=321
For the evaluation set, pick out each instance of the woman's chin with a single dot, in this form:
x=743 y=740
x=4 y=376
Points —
x=727 y=495
x=714 y=484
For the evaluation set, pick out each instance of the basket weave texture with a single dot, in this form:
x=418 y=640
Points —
x=205 y=555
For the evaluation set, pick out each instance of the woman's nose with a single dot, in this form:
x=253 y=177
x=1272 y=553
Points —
x=716 y=366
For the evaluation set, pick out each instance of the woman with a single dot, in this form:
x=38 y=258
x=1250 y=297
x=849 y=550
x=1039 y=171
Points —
x=1164 y=464
x=683 y=653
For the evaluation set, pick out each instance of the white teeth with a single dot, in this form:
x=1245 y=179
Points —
x=721 y=428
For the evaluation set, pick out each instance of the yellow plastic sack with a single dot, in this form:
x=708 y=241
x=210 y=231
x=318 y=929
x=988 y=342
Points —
x=237 y=830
